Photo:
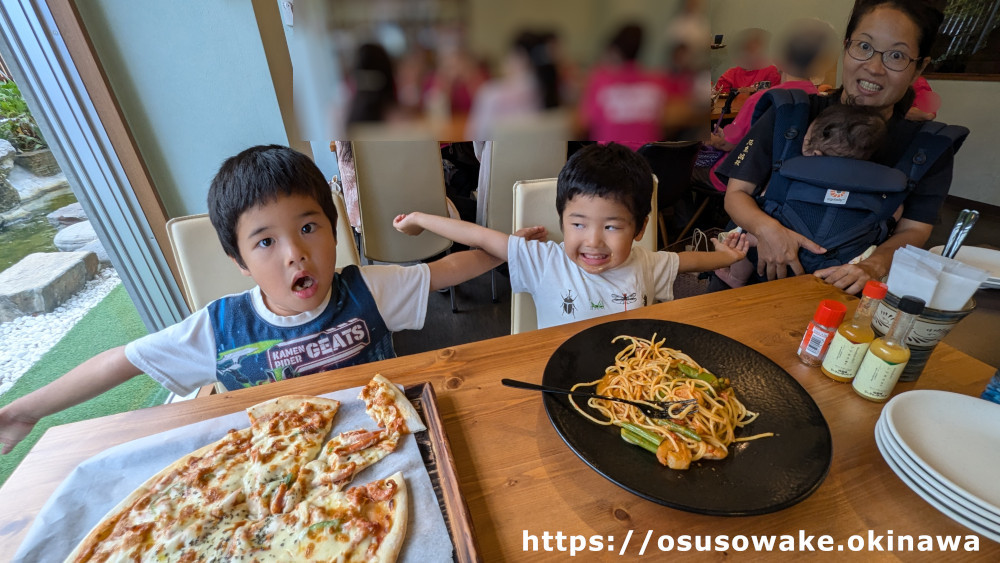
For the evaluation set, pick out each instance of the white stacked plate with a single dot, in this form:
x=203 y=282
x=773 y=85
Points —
x=946 y=448
x=982 y=258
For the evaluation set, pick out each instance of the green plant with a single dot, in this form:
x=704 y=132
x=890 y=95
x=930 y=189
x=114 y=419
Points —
x=16 y=123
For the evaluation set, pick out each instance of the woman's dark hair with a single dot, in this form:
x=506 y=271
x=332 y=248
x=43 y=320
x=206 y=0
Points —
x=922 y=13
x=537 y=48
x=375 y=85
x=628 y=41
x=610 y=171
x=257 y=176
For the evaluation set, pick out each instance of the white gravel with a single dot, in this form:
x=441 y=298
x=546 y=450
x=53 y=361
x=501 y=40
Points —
x=25 y=339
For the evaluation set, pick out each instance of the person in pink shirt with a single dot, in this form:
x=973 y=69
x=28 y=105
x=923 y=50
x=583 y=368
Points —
x=804 y=48
x=926 y=103
x=623 y=102
x=752 y=65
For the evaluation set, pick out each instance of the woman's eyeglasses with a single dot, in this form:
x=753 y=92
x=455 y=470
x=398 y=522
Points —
x=893 y=60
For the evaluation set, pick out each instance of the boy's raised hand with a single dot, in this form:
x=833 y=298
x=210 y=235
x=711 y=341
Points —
x=735 y=246
x=538 y=233
x=406 y=223
x=12 y=430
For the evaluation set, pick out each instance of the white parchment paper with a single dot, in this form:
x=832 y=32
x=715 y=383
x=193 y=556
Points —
x=98 y=484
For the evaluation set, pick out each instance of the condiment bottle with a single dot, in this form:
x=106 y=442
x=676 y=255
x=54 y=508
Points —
x=820 y=331
x=853 y=337
x=887 y=356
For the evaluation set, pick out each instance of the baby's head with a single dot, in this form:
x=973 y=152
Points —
x=603 y=197
x=846 y=130
x=274 y=214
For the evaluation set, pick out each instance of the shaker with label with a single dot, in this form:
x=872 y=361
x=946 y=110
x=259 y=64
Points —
x=820 y=331
x=853 y=337
x=887 y=356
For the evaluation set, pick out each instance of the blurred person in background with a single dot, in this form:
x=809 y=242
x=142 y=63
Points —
x=455 y=79
x=752 y=64
x=926 y=102
x=528 y=84
x=805 y=48
x=622 y=101
x=373 y=85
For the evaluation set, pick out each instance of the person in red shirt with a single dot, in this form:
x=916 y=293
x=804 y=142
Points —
x=752 y=67
x=926 y=103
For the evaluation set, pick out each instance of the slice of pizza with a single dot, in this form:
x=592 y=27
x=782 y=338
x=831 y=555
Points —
x=344 y=456
x=288 y=433
x=364 y=523
x=387 y=406
x=185 y=501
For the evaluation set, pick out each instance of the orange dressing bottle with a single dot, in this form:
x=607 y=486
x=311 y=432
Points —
x=887 y=356
x=853 y=337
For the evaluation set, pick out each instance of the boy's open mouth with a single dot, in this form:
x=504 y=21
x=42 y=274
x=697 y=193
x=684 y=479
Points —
x=594 y=259
x=304 y=286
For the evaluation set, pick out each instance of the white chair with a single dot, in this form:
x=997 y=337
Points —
x=534 y=203
x=397 y=177
x=207 y=273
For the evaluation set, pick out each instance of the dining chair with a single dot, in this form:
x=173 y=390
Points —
x=534 y=204
x=397 y=177
x=522 y=148
x=672 y=162
x=206 y=273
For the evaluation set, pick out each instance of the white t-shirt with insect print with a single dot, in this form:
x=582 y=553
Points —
x=564 y=293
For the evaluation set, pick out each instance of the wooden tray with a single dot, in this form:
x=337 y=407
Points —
x=436 y=452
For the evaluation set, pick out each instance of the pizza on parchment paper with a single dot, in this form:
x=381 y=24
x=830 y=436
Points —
x=271 y=492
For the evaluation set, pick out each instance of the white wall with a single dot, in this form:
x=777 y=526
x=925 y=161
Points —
x=193 y=84
x=968 y=103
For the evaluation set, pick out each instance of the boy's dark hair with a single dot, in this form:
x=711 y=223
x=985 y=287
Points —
x=610 y=171
x=848 y=130
x=257 y=176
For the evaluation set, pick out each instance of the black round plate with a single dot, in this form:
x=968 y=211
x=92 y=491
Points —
x=757 y=477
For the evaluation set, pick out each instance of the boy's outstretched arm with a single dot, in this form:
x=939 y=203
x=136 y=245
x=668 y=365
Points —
x=459 y=267
x=726 y=253
x=89 y=379
x=469 y=234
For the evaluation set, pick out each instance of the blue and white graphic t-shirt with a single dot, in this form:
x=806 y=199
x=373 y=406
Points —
x=237 y=341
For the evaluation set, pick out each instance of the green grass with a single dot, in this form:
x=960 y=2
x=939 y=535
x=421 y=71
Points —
x=113 y=322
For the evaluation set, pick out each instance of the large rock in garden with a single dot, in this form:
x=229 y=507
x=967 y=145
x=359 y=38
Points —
x=75 y=237
x=40 y=162
x=97 y=248
x=42 y=281
x=9 y=198
x=67 y=215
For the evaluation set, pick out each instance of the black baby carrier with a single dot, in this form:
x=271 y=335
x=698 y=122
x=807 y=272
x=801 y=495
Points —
x=842 y=204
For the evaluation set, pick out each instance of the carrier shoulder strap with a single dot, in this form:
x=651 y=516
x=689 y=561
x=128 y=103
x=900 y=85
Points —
x=791 y=120
x=928 y=145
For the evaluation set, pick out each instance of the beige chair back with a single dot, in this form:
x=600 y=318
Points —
x=399 y=177
x=208 y=274
x=522 y=149
x=535 y=204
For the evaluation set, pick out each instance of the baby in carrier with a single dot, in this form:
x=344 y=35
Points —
x=844 y=130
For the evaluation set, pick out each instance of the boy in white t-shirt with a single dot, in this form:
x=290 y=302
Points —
x=275 y=217
x=603 y=198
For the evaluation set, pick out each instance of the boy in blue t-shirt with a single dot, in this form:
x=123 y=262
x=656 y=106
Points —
x=275 y=217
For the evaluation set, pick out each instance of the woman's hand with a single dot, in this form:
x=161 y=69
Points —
x=778 y=250
x=849 y=277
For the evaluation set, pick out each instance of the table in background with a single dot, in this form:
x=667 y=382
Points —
x=518 y=476
x=720 y=102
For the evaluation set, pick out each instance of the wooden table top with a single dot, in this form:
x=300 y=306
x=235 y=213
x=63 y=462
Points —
x=517 y=475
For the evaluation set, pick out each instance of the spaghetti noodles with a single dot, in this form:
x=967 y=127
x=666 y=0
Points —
x=646 y=371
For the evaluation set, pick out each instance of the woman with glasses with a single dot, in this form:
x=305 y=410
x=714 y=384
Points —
x=885 y=49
